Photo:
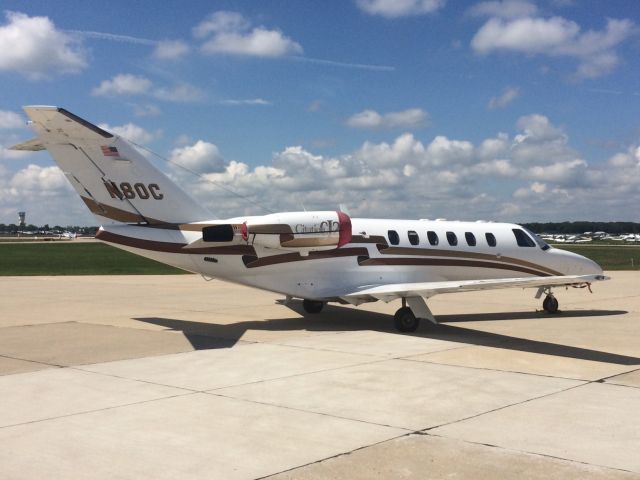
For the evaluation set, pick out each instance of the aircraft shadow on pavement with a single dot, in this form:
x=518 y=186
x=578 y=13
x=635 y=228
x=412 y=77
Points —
x=335 y=318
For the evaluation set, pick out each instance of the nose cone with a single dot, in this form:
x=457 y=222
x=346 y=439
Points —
x=570 y=263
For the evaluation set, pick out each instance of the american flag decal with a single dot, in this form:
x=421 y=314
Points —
x=109 y=151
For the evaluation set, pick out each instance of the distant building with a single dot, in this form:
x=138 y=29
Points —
x=21 y=219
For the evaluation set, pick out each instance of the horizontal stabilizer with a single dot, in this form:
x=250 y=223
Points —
x=33 y=145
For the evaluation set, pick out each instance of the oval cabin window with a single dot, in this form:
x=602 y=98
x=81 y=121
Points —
x=491 y=239
x=452 y=239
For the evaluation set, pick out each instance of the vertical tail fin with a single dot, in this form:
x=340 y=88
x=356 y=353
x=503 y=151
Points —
x=116 y=182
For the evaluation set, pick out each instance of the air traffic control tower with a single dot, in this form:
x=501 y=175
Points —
x=21 y=219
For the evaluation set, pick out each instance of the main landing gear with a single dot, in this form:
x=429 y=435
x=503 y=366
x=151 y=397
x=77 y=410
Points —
x=550 y=303
x=312 y=306
x=405 y=321
x=407 y=318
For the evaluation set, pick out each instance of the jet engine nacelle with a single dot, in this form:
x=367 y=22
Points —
x=299 y=231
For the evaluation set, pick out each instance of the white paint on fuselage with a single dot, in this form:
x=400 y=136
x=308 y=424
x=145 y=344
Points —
x=331 y=277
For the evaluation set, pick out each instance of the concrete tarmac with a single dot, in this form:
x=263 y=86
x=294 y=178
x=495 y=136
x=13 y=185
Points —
x=163 y=377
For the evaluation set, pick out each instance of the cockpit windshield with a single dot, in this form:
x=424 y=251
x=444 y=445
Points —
x=539 y=241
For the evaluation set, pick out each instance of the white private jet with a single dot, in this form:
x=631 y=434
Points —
x=319 y=257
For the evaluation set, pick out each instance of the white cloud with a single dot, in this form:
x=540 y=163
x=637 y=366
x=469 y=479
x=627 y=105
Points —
x=247 y=101
x=6 y=154
x=123 y=84
x=512 y=177
x=400 y=8
x=201 y=157
x=131 y=131
x=11 y=120
x=44 y=193
x=410 y=118
x=537 y=128
x=222 y=21
x=127 y=84
x=504 y=9
x=147 y=110
x=230 y=33
x=171 y=50
x=182 y=92
x=508 y=95
x=41 y=179
x=33 y=47
x=556 y=37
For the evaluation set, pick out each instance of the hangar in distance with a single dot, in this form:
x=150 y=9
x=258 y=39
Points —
x=316 y=256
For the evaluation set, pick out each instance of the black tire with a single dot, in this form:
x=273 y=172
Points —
x=312 y=306
x=550 y=304
x=405 y=321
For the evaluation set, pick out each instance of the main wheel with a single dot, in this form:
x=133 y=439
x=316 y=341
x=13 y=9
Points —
x=405 y=321
x=550 y=304
x=312 y=306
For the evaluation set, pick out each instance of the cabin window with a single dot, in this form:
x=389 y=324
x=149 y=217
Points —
x=433 y=238
x=523 y=239
x=394 y=238
x=452 y=239
x=414 y=239
x=217 y=233
x=491 y=239
x=470 y=238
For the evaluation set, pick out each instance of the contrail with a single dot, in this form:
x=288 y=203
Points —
x=114 y=37
x=333 y=63
x=145 y=41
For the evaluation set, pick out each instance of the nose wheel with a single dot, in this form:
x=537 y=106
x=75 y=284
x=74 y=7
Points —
x=550 y=304
x=312 y=306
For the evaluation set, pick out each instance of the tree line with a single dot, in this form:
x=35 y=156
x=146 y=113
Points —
x=13 y=229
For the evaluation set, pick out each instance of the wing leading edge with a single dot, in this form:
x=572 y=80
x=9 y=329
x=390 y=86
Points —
x=390 y=292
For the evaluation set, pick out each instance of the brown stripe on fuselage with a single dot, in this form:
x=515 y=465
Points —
x=252 y=261
x=371 y=239
x=296 y=257
x=170 y=247
x=448 y=262
x=434 y=252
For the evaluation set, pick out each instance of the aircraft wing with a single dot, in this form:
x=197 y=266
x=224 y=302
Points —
x=390 y=292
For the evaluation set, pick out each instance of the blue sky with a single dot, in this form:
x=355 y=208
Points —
x=503 y=110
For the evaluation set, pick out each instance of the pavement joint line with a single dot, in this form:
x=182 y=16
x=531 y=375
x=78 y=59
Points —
x=312 y=372
x=341 y=454
x=409 y=359
x=387 y=357
x=604 y=379
x=84 y=368
x=497 y=409
x=521 y=402
x=148 y=382
x=536 y=454
x=84 y=412
x=31 y=361
x=312 y=412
